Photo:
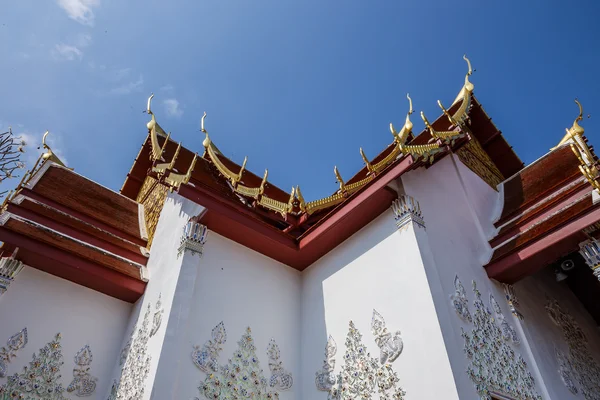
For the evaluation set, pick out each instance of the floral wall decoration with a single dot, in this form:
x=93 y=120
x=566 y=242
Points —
x=512 y=300
x=460 y=300
x=362 y=376
x=206 y=358
x=390 y=346
x=493 y=365
x=579 y=361
x=83 y=384
x=158 y=313
x=135 y=364
x=325 y=378
x=280 y=378
x=508 y=332
x=14 y=343
x=565 y=370
x=242 y=376
x=39 y=380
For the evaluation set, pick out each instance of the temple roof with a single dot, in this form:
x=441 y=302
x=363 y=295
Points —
x=71 y=227
x=242 y=203
x=548 y=208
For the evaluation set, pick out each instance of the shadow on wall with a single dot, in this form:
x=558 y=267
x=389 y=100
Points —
x=314 y=326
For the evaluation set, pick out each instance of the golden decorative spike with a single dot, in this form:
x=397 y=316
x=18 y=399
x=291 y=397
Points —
x=366 y=160
x=300 y=199
x=446 y=136
x=239 y=175
x=575 y=130
x=290 y=204
x=447 y=114
x=264 y=182
x=172 y=164
x=338 y=177
x=176 y=180
x=49 y=154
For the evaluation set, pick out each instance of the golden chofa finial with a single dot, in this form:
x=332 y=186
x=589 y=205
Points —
x=447 y=114
x=468 y=87
x=575 y=130
x=206 y=141
x=49 y=154
x=408 y=125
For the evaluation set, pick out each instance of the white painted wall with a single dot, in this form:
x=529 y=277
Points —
x=164 y=268
x=241 y=288
x=458 y=208
x=47 y=305
x=383 y=269
x=543 y=334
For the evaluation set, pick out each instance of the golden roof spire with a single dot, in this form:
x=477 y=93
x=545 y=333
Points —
x=576 y=130
x=468 y=86
x=148 y=106
x=400 y=138
x=49 y=154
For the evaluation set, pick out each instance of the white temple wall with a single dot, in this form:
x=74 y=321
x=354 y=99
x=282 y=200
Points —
x=377 y=268
x=458 y=208
x=164 y=268
x=544 y=335
x=47 y=305
x=241 y=288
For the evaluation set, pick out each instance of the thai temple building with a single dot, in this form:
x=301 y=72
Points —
x=444 y=269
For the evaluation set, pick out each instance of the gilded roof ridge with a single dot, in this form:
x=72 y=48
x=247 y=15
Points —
x=296 y=204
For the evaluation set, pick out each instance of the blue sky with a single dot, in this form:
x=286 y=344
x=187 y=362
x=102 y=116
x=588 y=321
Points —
x=297 y=86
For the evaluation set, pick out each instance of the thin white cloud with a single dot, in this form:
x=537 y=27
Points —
x=81 y=11
x=172 y=108
x=83 y=40
x=167 y=88
x=68 y=52
x=130 y=87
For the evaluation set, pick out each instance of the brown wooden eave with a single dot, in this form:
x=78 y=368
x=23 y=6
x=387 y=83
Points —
x=541 y=243
x=65 y=257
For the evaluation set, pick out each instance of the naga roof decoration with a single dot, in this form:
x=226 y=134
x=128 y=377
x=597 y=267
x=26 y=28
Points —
x=589 y=165
x=47 y=156
x=295 y=205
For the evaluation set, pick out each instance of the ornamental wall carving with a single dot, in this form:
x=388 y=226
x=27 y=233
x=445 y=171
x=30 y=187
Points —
x=578 y=370
x=135 y=358
x=41 y=378
x=493 y=364
x=242 y=376
x=362 y=376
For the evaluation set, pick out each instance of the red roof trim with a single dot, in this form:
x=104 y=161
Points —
x=65 y=265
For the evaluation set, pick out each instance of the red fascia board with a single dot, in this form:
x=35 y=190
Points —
x=536 y=255
x=348 y=207
x=65 y=265
x=240 y=226
x=74 y=233
x=235 y=213
x=92 y=221
x=331 y=235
